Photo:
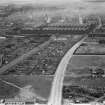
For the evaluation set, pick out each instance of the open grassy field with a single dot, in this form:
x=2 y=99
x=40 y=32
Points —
x=92 y=46
x=80 y=64
x=40 y=86
x=85 y=82
x=91 y=49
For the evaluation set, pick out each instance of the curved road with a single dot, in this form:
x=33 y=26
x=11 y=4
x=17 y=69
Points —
x=56 y=91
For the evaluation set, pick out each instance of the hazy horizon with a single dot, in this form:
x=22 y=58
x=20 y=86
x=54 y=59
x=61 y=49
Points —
x=38 y=1
x=96 y=6
x=49 y=1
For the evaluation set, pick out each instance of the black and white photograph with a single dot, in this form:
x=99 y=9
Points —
x=52 y=52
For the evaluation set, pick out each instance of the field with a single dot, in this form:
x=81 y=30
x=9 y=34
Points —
x=91 y=49
x=45 y=61
x=35 y=85
x=12 y=48
x=90 y=46
x=40 y=85
x=81 y=64
x=79 y=75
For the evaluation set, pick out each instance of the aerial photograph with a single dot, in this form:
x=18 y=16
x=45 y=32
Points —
x=52 y=52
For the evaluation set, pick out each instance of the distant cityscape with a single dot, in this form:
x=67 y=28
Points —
x=51 y=58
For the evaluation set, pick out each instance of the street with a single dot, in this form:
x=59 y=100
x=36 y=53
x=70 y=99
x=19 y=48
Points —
x=56 y=91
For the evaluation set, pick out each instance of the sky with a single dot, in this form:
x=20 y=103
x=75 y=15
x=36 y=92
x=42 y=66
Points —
x=35 y=1
x=47 y=1
x=88 y=5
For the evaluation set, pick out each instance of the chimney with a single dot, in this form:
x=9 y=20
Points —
x=80 y=20
x=47 y=19
x=100 y=23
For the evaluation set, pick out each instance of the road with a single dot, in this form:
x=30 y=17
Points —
x=24 y=56
x=57 y=85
